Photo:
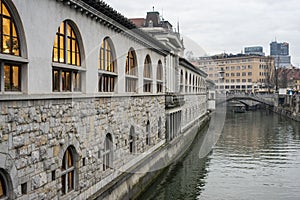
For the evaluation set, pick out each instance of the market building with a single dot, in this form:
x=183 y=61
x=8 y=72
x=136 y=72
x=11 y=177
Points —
x=86 y=99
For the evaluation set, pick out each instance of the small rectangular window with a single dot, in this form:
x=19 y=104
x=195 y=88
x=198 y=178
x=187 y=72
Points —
x=24 y=188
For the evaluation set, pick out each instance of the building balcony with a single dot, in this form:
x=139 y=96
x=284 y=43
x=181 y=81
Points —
x=174 y=100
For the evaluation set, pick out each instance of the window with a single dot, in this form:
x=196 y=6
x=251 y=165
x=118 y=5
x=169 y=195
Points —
x=108 y=152
x=148 y=133
x=159 y=128
x=159 y=77
x=244 y=80
x=238 y=74
x=66 y=76
x=190 y=83
x=132 y=140
x=181 y=81
x=12 y=77
x=147 y=74
x=232 y=74
x=186 y=81
x=3 y=186
x=10 y=72
x=244 y=74
x=249 y=73
x=131 y=72
x=106 y=68
x=9 y=34
x=68 y=171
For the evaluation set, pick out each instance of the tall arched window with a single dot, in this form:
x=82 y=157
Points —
x=148 y=133
x=181 y=81
x=159 y=77
x=11 y=70
x=107 y=67
x=193 y=83
x=5 y=187
x=108 y=152
x=190 y=83
x=131 y=72
x=147 y=74
x=132 y=140
x=68 y=171
x=66 y=57
x=186 y=82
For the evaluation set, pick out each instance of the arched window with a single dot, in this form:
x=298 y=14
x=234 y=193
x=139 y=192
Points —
x=107 y=67
x=5 y=190
x=190 y=83
x=132 y=140
x=186 y=82
x=66 y=57
x=11 y=70
x=193 y=83
x=131 y=72
x=159 y=128
x=147 y=74
x=108 y=152
x=181 y=81
x=68 y=171
x=148 y=133
x=159 y=77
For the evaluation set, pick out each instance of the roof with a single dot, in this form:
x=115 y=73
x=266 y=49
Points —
x=113 y=19
x=184 y=62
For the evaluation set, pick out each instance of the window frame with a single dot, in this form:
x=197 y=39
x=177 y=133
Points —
x=107 y=73
x=147 y=85
x=67 y=170
x=107 y=156
x=131 y=72
x=69 y=36
x=159 y=78
x=10 y=58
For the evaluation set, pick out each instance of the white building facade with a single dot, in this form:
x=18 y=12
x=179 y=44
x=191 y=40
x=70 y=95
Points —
x=82 y=98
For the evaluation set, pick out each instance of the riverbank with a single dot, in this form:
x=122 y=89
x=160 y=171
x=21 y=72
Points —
x=287 y=113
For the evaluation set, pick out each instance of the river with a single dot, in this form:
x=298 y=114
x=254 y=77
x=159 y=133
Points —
x=257 y=156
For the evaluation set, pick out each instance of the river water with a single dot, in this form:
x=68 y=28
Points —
x=257 y=156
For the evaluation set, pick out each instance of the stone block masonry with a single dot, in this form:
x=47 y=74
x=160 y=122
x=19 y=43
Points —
x=34 y=135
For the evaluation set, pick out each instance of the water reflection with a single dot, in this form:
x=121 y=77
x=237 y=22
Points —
x=256 y=157
x=184 y=179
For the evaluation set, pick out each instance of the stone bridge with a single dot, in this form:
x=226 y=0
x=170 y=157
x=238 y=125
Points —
x=267 y=99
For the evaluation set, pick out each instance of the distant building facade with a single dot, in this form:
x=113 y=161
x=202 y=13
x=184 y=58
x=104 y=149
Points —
x=280 y=52
x=247 y=73
x=255 y=50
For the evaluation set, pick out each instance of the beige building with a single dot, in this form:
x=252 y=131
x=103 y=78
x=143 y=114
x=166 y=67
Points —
x=236 y=73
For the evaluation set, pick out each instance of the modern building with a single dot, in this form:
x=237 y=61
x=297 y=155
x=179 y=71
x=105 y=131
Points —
x=280 y=52
x=87 y=99
x=239 y=73
x=255 y=50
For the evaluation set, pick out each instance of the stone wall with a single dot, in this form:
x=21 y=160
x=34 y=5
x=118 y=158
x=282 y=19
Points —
x=34 y=135
x=195 y=106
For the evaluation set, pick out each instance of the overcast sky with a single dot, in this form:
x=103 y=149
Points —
x=218 y=26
